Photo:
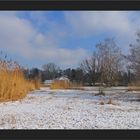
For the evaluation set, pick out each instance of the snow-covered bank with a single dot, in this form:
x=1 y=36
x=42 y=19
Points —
x=72 y=109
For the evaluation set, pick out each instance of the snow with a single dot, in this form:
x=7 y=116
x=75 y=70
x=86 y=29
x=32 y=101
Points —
x=73 y=109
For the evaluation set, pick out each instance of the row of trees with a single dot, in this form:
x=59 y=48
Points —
x=52 y=71
x=106 y=65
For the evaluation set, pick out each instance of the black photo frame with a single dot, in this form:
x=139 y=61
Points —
x=70 y=5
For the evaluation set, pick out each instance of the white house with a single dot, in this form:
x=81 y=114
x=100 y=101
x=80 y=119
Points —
x=48 y=82
x=63 y=78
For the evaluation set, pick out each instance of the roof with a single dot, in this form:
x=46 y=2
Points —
x=63 y=78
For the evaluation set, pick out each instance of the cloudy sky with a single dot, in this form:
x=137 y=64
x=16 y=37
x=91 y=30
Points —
x=34 y=38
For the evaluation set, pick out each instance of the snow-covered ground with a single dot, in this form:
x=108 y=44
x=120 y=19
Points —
x=73 y=109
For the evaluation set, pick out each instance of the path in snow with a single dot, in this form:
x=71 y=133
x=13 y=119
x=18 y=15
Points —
x=72 y=109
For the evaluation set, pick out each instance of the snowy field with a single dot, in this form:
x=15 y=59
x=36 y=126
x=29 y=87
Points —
x=73 y=109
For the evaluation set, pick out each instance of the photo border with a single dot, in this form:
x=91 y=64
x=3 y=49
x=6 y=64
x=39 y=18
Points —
x=70 y=5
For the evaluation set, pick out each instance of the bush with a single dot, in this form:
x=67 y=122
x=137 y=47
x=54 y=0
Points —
x=101 y=92
x=101 y=103
x=111 y=102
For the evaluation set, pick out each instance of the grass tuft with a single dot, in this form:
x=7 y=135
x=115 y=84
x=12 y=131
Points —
x=101 y=103
x=101 y=92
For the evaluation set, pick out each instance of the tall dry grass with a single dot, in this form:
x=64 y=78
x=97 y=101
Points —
x=61 y=84
x=134 y=86
x=13 y=85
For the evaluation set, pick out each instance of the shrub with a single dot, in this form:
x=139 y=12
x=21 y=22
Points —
x=101 y=92
x=110 y=101
x=101 y=103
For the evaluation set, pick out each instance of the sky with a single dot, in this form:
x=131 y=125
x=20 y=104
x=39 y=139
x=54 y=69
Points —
x=34 y=38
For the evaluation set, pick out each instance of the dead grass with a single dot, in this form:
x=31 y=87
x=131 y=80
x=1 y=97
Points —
x=135 y=86
x=60 y=84
x=111 y=102
x=101 y=103
x=13 y=85
x=36 y=83
x=101 y=92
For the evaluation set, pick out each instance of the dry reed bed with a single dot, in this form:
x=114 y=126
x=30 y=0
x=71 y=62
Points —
x=60 y=84
x=13 y=85
x=135 y=86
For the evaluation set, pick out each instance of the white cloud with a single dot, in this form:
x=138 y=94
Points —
x=18 y=36
x=63 y=57
x=120 y=24
x=91 y=22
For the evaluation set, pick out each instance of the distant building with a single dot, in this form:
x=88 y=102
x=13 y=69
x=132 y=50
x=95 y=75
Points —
x=63 y=78
x=60 y=83
x=48 y=82
x=100 y=84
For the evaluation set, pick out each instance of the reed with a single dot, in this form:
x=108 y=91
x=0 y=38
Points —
x=60 y=84
x=13 y=85
x=134 y=86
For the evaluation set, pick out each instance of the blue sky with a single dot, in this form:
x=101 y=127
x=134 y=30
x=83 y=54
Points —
x=34 y=38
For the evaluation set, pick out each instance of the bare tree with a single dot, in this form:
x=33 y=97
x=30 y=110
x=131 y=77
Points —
x=134 y=57
x=50 y=70
x=91 y=67
x=105 y=63
x=110 y=60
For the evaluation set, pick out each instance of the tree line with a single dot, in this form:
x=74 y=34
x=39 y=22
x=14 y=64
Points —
x=107 y=65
